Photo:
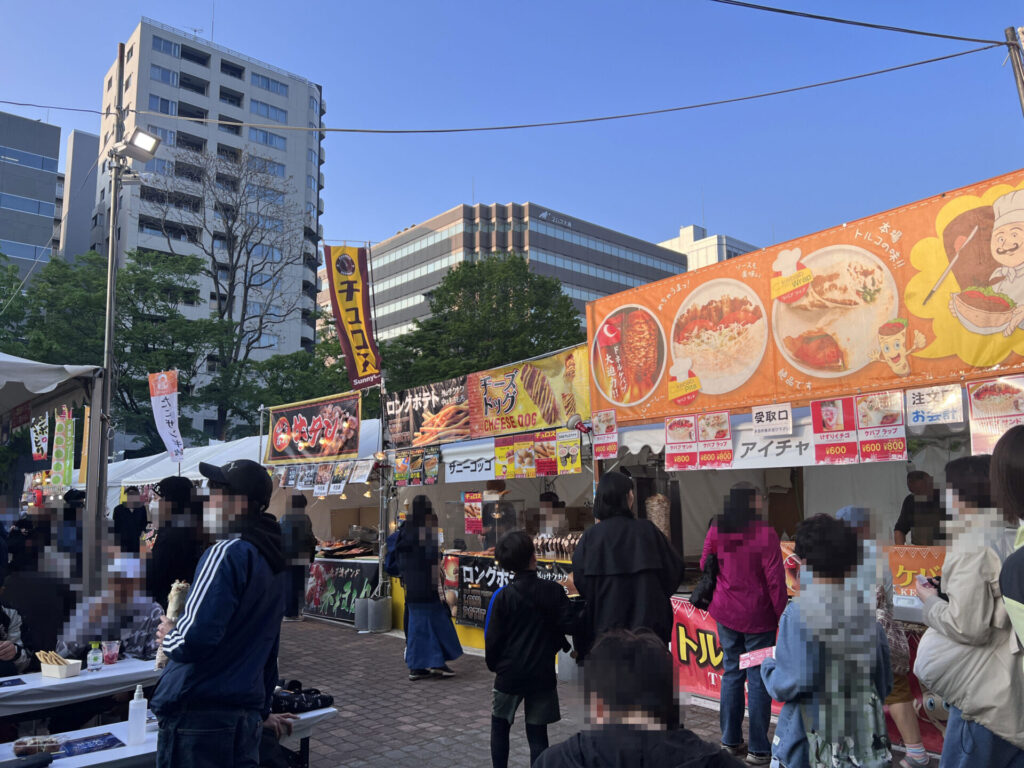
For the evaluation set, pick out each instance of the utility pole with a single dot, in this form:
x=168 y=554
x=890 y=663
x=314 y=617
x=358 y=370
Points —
x=1014 y=51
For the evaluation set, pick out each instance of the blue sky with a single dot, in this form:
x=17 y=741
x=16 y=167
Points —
x=763 y=171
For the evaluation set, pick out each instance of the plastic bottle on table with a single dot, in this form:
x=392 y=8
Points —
x=94 y=661
x=137 y=709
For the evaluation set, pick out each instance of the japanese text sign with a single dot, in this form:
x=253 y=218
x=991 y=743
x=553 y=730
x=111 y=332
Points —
x=568 y=452
x=431 y=465
x=714 y=440
x=40 y=433
x=470 y=470
x=917 y=296
x=536 y=394
x=349 y=284
x=473 y=508
x=163 y=394
x=935 y=405
x=880 y=428
x=835 y=431
x=606 y=435
x=326 y=429
x=996 y=405
x=433 y=413
x=545 y=449
x=772 y=420
x=504 y=457
x=63 y=450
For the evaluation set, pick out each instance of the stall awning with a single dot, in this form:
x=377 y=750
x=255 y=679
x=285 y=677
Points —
x=22 y=380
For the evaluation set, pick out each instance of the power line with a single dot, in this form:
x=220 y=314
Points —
x=550 y=124
x=884 y=27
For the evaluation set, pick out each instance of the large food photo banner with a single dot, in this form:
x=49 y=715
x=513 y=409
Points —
x=921 y=294
x=321 y=430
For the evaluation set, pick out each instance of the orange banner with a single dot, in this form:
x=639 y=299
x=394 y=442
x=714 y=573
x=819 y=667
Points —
x=923 y=294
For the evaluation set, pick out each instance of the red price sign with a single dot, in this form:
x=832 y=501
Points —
x=675 y=462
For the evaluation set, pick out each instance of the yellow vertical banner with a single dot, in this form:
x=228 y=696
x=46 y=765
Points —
x=349 y=282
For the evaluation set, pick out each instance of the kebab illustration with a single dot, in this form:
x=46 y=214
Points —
x=893 y=349
x=175 y=607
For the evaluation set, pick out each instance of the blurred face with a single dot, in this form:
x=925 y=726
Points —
x=125 y=588
x=222 y=507
x=132 y=499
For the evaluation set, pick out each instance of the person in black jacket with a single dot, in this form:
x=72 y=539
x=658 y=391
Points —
x=214 y=695
x=632 y=711
x=299 y=549
x=625 y=568
x=431 y=640
x=129 y=521
x=179 y=542
x=526 y=626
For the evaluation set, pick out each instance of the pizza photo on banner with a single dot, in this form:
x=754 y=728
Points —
x=349 y=282
x=321 y=430
x=920 y=295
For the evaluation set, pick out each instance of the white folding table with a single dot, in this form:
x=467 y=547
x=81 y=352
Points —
x=40 y=692
x=144 y=755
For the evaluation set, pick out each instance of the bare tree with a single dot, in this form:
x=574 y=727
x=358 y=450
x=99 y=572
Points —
x=235 y=211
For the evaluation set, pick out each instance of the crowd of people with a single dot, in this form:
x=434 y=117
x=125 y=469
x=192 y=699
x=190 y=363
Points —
x=833 y=656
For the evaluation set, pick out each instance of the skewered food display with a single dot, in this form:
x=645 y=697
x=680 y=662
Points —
x=556 y=547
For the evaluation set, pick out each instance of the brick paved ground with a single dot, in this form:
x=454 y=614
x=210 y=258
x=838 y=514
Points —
x=386 y=720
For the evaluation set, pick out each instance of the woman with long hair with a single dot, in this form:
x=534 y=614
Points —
x=965 y=655
x=431 y=640
x=750 y=596
x=624 y=567
x=1007 y=475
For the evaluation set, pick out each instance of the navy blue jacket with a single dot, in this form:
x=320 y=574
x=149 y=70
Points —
x=223 y=651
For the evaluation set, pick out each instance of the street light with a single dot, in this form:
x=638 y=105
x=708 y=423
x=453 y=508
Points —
x=139 y=146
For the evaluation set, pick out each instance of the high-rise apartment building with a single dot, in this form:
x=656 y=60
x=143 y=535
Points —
x=29 y=150
x=589 y=261
x=702 y=249
x=229 y=156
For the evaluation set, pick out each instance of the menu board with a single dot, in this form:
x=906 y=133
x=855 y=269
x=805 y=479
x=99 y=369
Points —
x=714 y=440
x=568 y=452
x=525 y=456
x=606 y=435
x=881 y=431
x=935 y=405
x=431 y=465
x=473 y=509
x=996 y=405
x=480 y=577
x=323 y=479
x=545 y=446
x=416 y=467
x=835 y=431
x=504 y=457
x=339 y=477
x=913 y=297
x=681 y=443
x=402 y=461
x=429 y=415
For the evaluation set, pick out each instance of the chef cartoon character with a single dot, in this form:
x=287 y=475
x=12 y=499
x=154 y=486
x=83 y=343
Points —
x=893 y=349
x=1008 y=249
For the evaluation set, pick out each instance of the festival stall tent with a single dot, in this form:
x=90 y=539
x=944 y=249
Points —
x=42 y=386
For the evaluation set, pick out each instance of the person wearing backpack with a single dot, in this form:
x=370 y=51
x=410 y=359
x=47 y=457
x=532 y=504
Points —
x=527 y=622
x=831 y=668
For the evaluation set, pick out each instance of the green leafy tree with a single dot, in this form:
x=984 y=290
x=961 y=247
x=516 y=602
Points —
x=484 y=314
x=12 y=309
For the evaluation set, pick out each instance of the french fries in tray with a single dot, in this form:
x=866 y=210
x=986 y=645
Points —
x=448 y=424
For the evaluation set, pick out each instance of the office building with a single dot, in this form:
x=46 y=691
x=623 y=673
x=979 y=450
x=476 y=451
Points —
x=589 y=261
x=702 y=249
x=29 y=150
x=197 y=96
x=76 y=195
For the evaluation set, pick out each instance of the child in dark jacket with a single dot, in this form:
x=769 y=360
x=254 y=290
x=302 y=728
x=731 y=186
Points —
x=526 y=626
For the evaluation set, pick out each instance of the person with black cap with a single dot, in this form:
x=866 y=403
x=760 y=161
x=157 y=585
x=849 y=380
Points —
x=179 y=542
x=130 y=520
x=299 y=550
x=214 y=696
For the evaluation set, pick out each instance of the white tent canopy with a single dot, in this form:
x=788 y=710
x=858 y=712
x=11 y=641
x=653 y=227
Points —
x=22 y=380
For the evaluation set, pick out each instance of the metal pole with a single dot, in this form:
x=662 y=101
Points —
x=259 y=457
x=382 y=517
x=1014 y=51
x=97 y=476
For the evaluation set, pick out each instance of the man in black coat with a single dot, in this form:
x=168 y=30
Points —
x=625 y=568
x=180 y=542
x=299 y=550
x=130 y=520
x=631 y=708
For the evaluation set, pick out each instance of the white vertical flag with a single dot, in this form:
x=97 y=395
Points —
x=163 y=394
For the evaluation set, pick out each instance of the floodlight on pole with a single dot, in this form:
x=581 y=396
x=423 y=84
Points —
x=141 y=146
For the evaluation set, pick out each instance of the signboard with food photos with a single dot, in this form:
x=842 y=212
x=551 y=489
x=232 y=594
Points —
x=542 y=393
x=921 y=295
x=321 y=430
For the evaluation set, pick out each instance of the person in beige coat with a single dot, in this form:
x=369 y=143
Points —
x=969 y=653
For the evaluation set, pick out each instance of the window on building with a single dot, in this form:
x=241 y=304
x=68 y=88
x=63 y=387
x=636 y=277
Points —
x=263 y=252
x=127 y=83
x=264 y=193
x=268 y=139
x=228 y=96
x=311 y=182
x=191 y=143
x=164 y=106
x=128 y=55
x=265 y=165
x=266 y=222
x=110 y=83
x=27 y=159
x=312 y=156
x=229 y=125
x=195 y=56
x=157 y=165
x=27 y=205
x=268 y=110
x=231 y=69
x=231 y=154
x=163 y=75
x=166 y=135
x=269 y=84
x=314 y=104
x=192 y=112
x=166 y=46
x=194 y=84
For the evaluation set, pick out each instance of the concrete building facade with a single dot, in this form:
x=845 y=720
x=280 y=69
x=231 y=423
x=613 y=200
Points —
x=29 y=150
x=76 y=196
x=702 y=249
x=590 y=261
x=197 y=97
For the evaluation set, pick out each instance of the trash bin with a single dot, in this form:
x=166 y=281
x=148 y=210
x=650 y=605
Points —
x=379 y=614
x=362 y=613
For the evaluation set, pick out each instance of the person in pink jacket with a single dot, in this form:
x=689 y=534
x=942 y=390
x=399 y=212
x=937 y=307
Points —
x=749 y=598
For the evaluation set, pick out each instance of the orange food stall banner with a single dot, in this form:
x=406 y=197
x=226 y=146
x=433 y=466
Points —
x=996 y=406
x=917 y=296
x=535 y=394
x=906 y=563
